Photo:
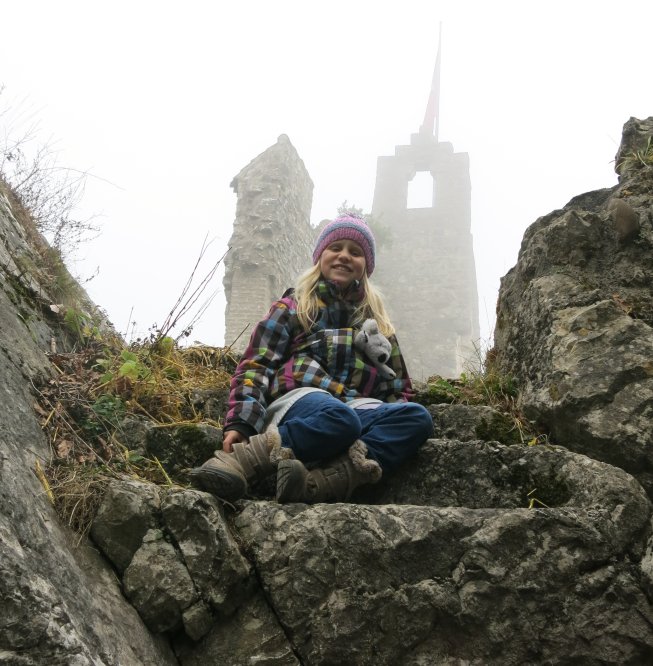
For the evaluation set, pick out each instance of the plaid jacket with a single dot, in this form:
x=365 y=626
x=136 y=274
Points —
x=281 y=357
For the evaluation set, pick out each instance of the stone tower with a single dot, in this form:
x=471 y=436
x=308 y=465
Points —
x=426 y=268
x=272 y=239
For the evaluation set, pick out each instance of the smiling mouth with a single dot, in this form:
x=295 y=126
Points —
x=339 y=267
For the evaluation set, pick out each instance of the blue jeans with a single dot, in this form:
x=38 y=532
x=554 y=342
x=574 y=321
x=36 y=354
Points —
x=319 y=426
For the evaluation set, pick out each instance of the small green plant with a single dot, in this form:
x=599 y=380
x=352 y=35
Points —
x=537 y=440
x=133 y=367
x=137 y=363
x=484 y=383
x=489 y=380
x=442 y=390
x=645 y=155
x=484 y=386
x=642 y=158
x=82 y=326
x=103 y=416
x=109 y=407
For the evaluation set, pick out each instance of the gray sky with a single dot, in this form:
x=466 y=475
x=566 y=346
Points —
x=168 y=101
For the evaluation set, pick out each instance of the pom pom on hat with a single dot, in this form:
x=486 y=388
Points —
x=348 y=227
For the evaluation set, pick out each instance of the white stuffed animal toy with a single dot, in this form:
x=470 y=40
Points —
x=375 y=346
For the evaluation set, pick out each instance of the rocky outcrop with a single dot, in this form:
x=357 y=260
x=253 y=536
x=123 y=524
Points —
x=466 y=422
x=61 y=603
x=635 y=138
x=459 y=579
x=575 y=317
x=475 y=551
x=179 y=561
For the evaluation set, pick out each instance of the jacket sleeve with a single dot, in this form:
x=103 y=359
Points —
x=399 y=389
x=268 y=348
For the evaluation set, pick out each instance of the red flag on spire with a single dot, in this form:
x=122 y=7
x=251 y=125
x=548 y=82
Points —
x=431 y=123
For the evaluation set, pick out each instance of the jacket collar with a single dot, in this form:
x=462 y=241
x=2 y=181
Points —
x=329 y=291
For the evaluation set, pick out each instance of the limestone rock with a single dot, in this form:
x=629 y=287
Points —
x=252 y=635
x=465 y=422
x=197 y=620
x=625 y=219
x=646 y=567
x=196 y=522
x=184 y=447
x=211 y=403
x=133 y=431
x=181 y=563
x=635 y=137
x=472 y=577
x=158 y=584
x=128 y=511
x=575 y=325
x=60 y=603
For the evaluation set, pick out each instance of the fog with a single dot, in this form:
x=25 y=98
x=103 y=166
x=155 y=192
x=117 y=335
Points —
x=163 y=103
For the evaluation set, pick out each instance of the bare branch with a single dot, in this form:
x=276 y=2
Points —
x=188 y=299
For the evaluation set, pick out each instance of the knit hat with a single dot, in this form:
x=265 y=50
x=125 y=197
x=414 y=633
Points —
x=347 y=227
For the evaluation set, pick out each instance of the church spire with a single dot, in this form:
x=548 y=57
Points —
x=431 y=124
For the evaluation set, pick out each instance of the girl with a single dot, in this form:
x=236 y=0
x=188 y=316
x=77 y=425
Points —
x=303 y=393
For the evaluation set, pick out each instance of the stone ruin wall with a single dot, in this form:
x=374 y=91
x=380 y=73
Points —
x=272 y=239
x=427 y=271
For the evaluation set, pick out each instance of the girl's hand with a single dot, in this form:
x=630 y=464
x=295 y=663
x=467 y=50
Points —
x=230 y=438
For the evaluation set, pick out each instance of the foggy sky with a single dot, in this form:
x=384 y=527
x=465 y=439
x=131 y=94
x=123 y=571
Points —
x=165 y=102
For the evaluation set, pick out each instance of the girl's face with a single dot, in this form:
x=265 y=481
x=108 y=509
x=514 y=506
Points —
x=342 y=262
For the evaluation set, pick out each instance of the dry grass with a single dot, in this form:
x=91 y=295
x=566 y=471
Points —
x=638 y=159
x=82 y=408
x=104 y=380
x=485 y=384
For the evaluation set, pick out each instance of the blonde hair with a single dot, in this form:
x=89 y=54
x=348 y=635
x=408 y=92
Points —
x=370 y=307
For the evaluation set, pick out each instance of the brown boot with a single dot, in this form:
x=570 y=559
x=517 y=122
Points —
x=228 y=475
x=334 y=482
